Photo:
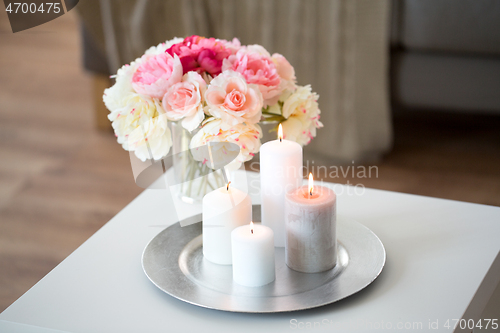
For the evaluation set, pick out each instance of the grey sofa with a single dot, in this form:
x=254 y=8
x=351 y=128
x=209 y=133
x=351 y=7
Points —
x=446 y=55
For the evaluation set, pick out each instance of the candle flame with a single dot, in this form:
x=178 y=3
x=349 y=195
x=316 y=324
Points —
x=280 y=132
x=311 y=183
x=251 y=227
x=227 y=187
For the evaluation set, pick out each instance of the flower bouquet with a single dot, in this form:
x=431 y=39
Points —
x=194 y=91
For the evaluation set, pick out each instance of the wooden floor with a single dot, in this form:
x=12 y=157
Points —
x=61 y=180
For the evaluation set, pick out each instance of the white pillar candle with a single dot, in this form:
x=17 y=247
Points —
x=311 y=242
x=280 y=172
x=253 y=255
x=224 y=210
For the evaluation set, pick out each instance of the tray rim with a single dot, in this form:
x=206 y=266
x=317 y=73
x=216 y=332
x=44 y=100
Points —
x=367 y=282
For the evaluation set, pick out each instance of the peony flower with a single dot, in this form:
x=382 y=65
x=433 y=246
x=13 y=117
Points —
x=201 y=54
x=285 y=71
x=257 y=67
x=152 y=139
x=246 y=136
x=156 y=74
x=140 y=127
x=184 y=101
x=163 y=47
x=136 y=117
x=302 y=114
x=234 y=101
x=183 y=80
x=116 y=96
x=233 y=45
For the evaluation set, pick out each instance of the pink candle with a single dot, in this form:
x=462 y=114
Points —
x=310 y=222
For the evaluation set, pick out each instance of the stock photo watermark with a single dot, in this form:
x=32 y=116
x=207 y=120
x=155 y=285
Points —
x=355 y=175
x=25 y=15
x=353 y=325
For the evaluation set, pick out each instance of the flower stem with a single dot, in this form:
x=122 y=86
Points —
x=274 y=118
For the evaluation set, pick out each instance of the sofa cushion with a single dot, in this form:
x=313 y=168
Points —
x=429 y=80
x=448 y=25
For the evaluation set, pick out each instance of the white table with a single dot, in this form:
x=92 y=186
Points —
x=442 y=264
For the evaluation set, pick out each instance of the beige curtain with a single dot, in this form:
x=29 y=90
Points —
x=340 y=47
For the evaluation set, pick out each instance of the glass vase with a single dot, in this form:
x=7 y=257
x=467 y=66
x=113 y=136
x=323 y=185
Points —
x=195 y=178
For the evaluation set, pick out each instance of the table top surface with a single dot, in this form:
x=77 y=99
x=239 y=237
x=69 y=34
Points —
x=438 y=255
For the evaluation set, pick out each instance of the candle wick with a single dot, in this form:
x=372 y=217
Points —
x=227 y=187
x=311 y=192
x=251 y=230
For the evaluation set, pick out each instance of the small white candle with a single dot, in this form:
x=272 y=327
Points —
x=224 y=209
x=311 y=242
x=280 y=172
x=253 y=255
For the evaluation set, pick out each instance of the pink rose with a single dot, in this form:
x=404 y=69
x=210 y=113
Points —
x=257 y=67
x=184 y=101
x=156 y=74
x=201 y=54
x=231 y=99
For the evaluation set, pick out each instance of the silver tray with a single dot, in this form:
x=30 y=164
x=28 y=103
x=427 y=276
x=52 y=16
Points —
x=173 y=261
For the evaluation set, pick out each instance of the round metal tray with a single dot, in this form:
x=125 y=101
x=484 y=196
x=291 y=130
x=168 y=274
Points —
x=174 y=262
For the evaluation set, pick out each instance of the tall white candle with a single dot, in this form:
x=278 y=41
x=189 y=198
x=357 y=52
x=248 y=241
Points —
x=311 y=242
x=253 y=255
x=280 y=172
x=224 y=209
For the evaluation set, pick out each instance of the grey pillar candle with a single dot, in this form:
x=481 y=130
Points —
x=310 y=229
